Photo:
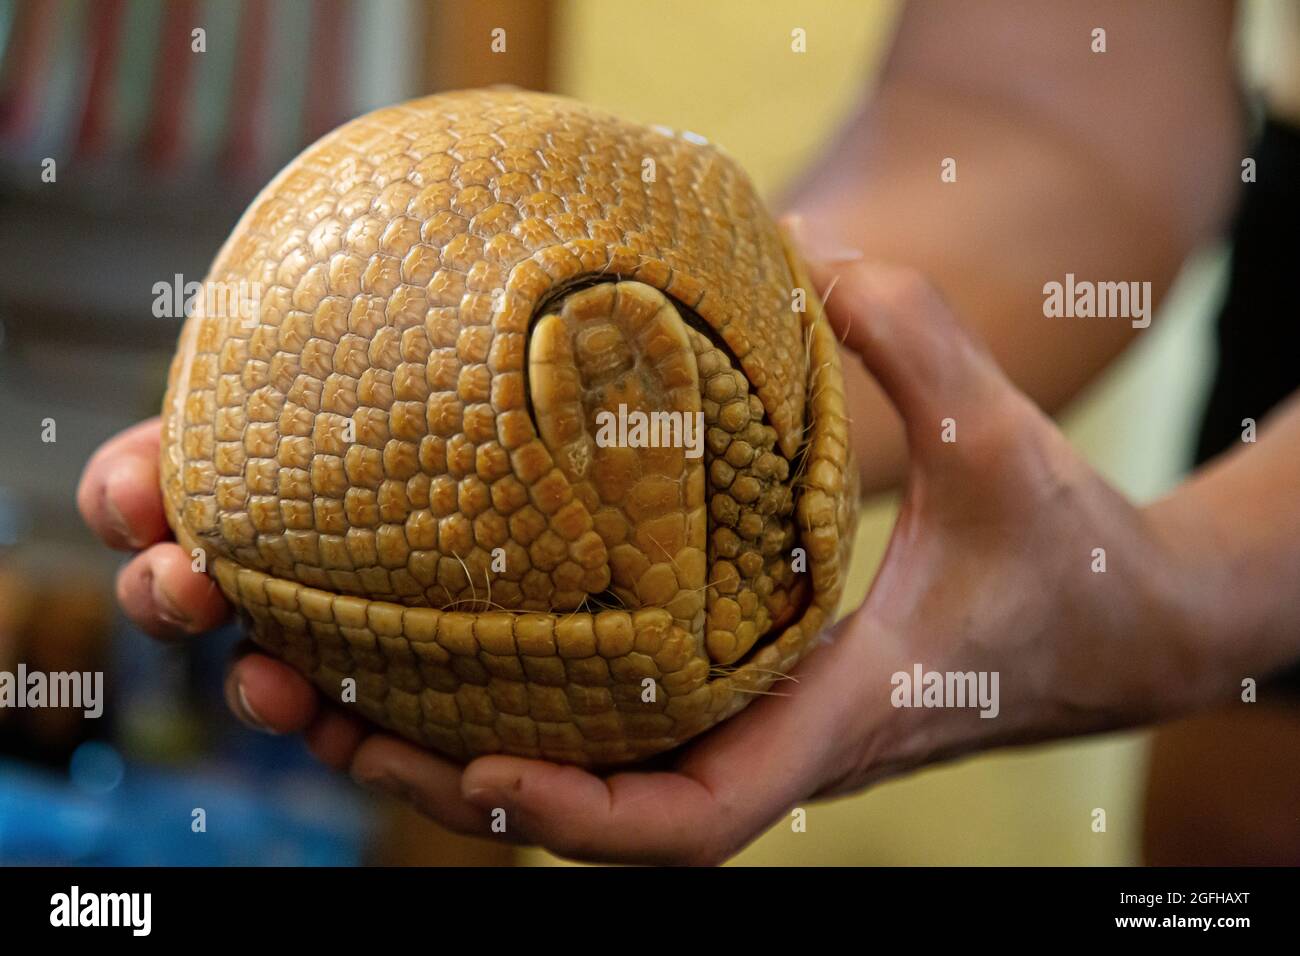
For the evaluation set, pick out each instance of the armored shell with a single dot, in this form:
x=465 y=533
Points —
x=437 y=431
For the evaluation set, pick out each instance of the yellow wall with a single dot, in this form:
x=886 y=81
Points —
x=724 y=69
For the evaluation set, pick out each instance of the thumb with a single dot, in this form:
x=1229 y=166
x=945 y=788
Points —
x=928 y=364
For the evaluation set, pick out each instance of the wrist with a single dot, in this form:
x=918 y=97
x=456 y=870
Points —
x=1204 y=614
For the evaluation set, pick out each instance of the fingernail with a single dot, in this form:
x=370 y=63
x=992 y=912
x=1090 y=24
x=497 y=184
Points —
x=816 y=246
x=487 y=798
x=381 y=784
x=396 y=788
x=247 y=714
x=837 y=255
x=829 y=253
x=169 y=610
x=117 y=521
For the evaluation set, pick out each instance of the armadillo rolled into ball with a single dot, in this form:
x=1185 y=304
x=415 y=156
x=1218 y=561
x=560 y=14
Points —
x=394 y=462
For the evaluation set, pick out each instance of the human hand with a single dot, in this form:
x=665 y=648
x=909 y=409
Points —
x=991 y=569
x=667 y=816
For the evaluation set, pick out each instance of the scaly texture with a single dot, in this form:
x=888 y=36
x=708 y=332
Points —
x=394 y=464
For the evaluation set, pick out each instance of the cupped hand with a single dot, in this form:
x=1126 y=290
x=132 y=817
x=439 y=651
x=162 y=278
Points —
x=702 y=811
x=1010 y=557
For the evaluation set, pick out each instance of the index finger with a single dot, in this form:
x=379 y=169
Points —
x=119 y=496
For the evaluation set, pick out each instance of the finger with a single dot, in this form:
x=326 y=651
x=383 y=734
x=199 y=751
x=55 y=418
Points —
x=429 y=783
x=119 y=496
x=334 y=737
x=163 y=595
x=269 y=695
x=627 y=818
x=929 y=365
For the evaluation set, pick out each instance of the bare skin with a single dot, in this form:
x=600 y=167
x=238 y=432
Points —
x=989 y=569
x=990 y=565
x=1111 y=165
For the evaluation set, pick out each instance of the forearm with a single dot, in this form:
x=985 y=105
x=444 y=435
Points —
x=1065 y=163
x=1236 y=527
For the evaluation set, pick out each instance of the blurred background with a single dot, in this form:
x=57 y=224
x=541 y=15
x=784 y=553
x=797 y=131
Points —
x=157 y=146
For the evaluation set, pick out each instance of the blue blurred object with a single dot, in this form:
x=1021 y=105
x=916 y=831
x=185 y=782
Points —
x=171 y=778
x=96 y=767
x=116 y=813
